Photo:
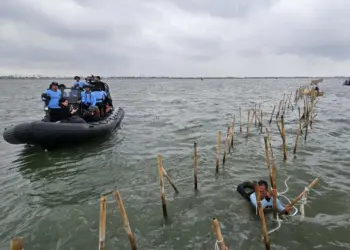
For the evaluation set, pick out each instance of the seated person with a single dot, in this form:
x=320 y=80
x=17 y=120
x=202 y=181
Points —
x=91 y=115
x=266 y=197
x=88 y=102
x=100 y=96
x=63 y=112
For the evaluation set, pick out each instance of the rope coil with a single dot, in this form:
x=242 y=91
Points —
x=216 y=246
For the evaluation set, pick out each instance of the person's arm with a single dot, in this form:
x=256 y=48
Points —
x=253 y=200
x=93 y=99
x=281 y=208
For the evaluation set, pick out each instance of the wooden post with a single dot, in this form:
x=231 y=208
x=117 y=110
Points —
x=195 y=166
x=125 y=221
x=232 y=134
x=269 y=140
x=274 y=191
x=218 y=152
x=262 y=217
x=248 y=123
x=312 y=184
x=226 y=145
x=240 y=120
x=161 y=183
x=170 y=180
x=268 y=159
x=219 y=238
x=297 y=138
x=261 y=125
x=16 y=244
x=103 y=213
x=255 y=114
x=273 y=111
x=279 y=109
x=284 y=139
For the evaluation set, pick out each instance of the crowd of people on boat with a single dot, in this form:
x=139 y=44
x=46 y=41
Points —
x=94 y=103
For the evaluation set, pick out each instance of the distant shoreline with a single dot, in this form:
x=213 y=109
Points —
x=166 y=77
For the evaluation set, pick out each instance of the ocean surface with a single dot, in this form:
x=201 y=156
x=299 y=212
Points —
x=51 y=199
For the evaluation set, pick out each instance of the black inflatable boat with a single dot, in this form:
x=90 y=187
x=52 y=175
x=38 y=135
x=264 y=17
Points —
x=56 y=134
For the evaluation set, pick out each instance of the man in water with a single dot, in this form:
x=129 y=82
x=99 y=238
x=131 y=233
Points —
x=266 y=197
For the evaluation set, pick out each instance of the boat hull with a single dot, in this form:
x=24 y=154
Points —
x=50 y=135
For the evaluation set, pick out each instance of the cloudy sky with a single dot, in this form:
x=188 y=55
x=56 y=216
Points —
x=175 y=37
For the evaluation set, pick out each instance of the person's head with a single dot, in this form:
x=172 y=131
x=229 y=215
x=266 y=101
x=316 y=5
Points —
x=77 y=78
x=61 y=86
x=263 y=186
x=87 y=87
x=63 y=102
x=97 y=78
x=54 y=85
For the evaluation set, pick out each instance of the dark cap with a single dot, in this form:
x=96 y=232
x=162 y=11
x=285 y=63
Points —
x=86 y=86
x=62 y=86
x=54 y=83
x=76 y=77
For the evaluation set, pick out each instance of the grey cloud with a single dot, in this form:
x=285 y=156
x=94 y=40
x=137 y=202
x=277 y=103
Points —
x=175 y=37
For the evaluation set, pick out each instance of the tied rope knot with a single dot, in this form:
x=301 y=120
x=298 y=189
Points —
x=217 y=244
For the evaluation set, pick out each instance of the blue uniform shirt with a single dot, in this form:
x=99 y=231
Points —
x=79 y=84
x=100 y=95
x=265 y=203
x=54 y=98
x=88 y=98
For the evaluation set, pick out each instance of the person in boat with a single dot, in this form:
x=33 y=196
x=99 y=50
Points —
x=78 y=84
x=88 y=101
x=63 y=112
x=52 y=96
x=265 y=195
x=100 y=96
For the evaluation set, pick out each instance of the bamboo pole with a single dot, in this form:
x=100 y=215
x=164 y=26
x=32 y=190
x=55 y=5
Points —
x=195 y=166
x=255 y=114
x=226 y=145
x=311 y=185
x=268 y=159
x=279 y=108
x=248 y=123
x=297 y=138
x=125 y=221
x=16 y=244
x=161 y=183
x=274 y=191
x=284 y=139
x=269 y=140
x=219 y=238
x=240 y=120
x=273 y=111
x=170 y=180
x=262 y=217
x=103 y=213
x=218 y=152
x=232 y=133
x=261 y=125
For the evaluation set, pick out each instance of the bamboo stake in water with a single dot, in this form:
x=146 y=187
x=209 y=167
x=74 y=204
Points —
x=248 y=123
x=262 y=216
x=232 y=133
x=268 y=159
x=125 y=221
x=103 y=213
x=261 y=125
x=269 y=140
x=279 y=108
x=16 y=244
x=170 y=180
x=312 y=184
x=161 y=183
x=218 y=152
x=297 y=138
x=226 y=145
x=284 y=139
x=240 y=120
x=255 y=114
x=195 y=166
x=274 y=193
x=219 y=238
x=273 y=111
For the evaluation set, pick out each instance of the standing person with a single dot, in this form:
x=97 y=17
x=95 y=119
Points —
x=52 y=95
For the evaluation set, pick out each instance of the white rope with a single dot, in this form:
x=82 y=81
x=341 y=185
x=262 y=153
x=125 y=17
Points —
x=279 y=221
x=216 y=246
x=303 y=202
